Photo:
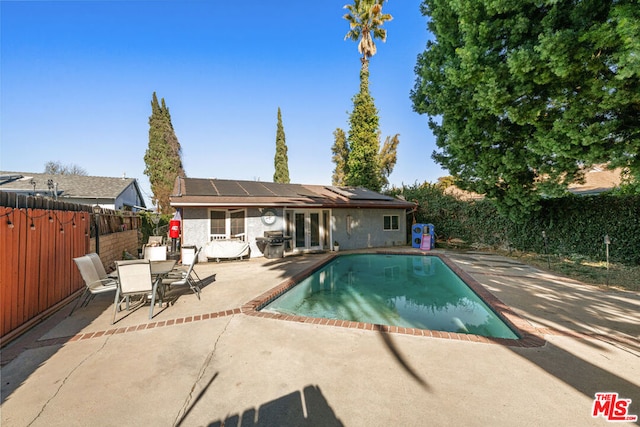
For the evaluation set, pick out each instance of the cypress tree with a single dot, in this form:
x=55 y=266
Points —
x=281 y=160
x=364 y=144
x=340 y=157
x=163 y=158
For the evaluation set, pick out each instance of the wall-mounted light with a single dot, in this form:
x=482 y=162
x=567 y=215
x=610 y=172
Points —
x=33 y=226
x=9 y=223
x=349 y=225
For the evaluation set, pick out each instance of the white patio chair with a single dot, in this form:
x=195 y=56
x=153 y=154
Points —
x=179 y=278
x=97 y=262
x=154 y=253
x=185 y=266
x=155 y=239
x=94 y=284
x=134 y=278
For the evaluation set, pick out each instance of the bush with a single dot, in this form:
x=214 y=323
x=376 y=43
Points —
x=573 y=225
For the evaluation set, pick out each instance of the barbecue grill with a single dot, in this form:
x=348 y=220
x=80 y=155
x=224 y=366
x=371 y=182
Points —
x=272 y=244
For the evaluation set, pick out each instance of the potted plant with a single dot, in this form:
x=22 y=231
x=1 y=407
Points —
x=336 y=246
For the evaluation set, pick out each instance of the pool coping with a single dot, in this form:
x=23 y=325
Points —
x=529 y=335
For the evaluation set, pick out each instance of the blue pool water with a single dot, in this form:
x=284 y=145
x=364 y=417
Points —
x=413 y=291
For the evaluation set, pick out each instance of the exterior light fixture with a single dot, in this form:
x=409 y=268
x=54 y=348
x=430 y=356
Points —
x=9 y=223
x=607 y=242
x=96 y=212
x=546 y=249
x=155 y=218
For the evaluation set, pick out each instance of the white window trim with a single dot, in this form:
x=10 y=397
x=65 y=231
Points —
x=227 y=225
x=391 y=222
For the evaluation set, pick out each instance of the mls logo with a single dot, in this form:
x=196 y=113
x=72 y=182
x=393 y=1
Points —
x=612 y=408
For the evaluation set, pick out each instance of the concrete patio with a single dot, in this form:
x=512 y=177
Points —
x=209 y=362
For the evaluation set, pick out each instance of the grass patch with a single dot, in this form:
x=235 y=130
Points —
x=575 y=267
x=584 y=270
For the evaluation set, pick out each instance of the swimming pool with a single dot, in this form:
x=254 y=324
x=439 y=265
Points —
x=414 y=291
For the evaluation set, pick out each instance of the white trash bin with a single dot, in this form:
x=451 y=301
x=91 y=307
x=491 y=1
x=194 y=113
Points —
x=188 y=255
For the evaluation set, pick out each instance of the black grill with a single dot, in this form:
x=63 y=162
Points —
x=274 y=237
x=272 y=244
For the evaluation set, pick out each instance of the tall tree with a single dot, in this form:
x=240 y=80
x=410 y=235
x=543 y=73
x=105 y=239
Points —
x=363 y=169
x=521 y=96
x=281 y=160
x=363 y=166
x=57 y=168
x=365 y=19
x=340 y=157
x=163 y=157
x=388 y=157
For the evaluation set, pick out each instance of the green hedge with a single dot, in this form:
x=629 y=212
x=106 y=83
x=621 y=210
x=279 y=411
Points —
x=574 y=225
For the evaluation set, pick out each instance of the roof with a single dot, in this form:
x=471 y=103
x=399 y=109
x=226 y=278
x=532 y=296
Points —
x=68 y=186
x=233 y=193
x=597 y=179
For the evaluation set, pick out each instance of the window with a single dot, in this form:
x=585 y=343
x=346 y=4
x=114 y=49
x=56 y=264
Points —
x=391 y=222
x=237 y=223
x=227 y=224
x=218 y=222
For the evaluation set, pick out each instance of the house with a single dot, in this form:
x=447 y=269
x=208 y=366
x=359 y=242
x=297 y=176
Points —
x=597 y=179
x=310 y=217
x=110 y=193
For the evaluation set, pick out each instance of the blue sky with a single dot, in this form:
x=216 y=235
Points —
x=77 y=79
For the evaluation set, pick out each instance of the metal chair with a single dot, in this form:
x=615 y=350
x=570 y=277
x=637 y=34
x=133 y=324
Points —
x=94 y=284
x=179 y=278
x=156 y=239
x=97 y=262
x=134 y=278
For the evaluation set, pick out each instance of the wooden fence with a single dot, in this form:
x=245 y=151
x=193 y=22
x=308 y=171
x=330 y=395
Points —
x=38 y=241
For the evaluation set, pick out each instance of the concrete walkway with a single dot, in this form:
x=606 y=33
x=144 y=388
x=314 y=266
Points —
x=209 y=363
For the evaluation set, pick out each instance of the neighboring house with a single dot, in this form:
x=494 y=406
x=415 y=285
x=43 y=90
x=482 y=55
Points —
x=313 y=216
x=110 y=193
x=597 y=179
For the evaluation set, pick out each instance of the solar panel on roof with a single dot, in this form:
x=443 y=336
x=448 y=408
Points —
x=198 y=187
x=256 y=188
x=229 y=188
x=358 y=193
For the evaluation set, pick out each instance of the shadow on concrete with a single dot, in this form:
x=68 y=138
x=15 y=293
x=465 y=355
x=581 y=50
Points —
x=195 y=401
x=582 y=375
x=24 y=355
x=571 y=309
x=393 y=349
x=309 y=408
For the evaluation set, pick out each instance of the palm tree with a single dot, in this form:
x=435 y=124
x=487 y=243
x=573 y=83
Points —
x=365 y=22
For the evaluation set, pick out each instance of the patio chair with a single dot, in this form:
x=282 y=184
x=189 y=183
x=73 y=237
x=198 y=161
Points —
x=94 y=284
x=179 y=278
x=154 y=253
x=155 y=239
x=134 y=278
x=97 y=262
x=194 y=259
